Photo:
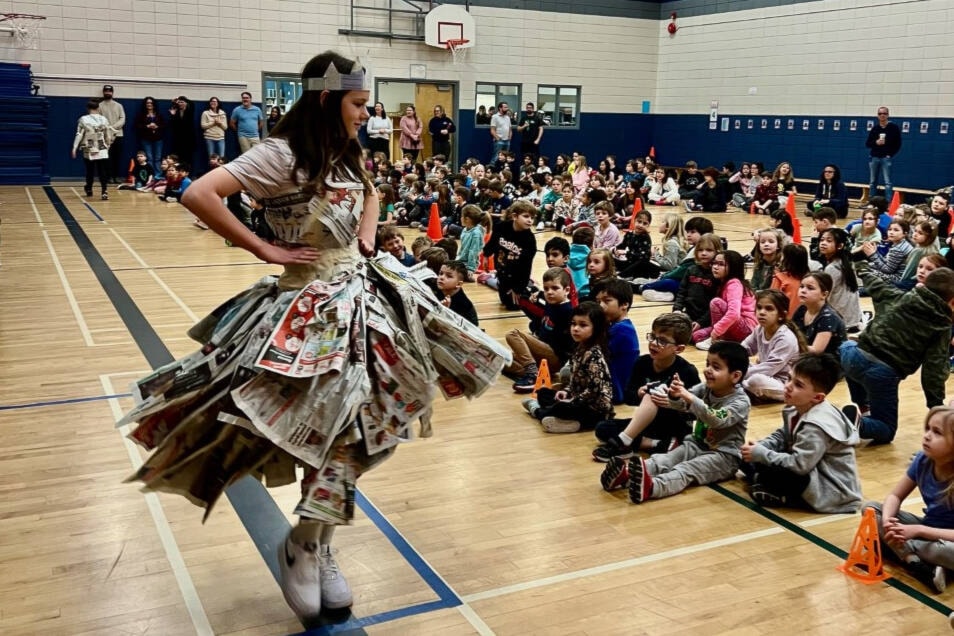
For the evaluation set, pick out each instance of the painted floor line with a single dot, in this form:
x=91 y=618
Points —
x=622 y=565
x=79 y=400
x=88 y=206
x=200 y=619
x=68 y=291
x=36 y=211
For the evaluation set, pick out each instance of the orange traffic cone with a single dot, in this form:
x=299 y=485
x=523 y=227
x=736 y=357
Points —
x=637 y=208
x=865 y=552
x=543 y=378
x=434 y=231
x=895 y=204
x=796 y=226
x=129 y=174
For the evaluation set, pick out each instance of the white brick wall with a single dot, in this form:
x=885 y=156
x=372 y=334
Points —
x=835 y=57
x=614 y=59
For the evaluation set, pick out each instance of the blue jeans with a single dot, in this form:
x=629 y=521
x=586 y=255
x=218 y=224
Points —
x=216 y=146
x=874 y=384
x=885 y=164
x=499 y=146
x=153 y=150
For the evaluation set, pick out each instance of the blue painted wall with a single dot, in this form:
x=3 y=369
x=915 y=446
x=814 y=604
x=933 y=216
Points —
x=65 y=111
x=925 y=160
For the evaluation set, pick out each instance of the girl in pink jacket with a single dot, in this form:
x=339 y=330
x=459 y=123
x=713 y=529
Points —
x=733 y=310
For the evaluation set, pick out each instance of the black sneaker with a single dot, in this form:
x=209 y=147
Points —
x=640 y=481
x=616 y=475
x=89 y=193
x=613 y=447
x=933 y=576
x=526 y=383
x=765 y=498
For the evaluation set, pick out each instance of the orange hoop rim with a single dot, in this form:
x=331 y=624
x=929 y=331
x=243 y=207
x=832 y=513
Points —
x=20 y=16
x=453 y=44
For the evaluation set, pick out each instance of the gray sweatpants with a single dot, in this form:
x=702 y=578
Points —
x=934 y=552
x=688 y=465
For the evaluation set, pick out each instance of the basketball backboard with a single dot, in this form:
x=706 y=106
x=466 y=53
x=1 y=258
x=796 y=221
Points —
x=448 y=22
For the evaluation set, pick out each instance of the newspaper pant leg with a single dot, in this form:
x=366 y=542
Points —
x=764 y=386
x=686 y=466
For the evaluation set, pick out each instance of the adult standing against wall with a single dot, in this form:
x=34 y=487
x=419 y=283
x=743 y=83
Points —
x=379 y=131
x=247 y=120
x=412 y=131
x=884 y=142
x=501 y=129
x=441 y=128
x=214 y=123
x=150 y=126
x=115 y=114
x=531 y=125
x=95 y=134
x=182 y=127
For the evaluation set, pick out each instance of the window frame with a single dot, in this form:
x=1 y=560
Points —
x=498 y=97
x=558 y=98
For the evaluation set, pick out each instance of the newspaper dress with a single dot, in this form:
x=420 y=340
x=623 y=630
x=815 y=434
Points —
x=326 y=366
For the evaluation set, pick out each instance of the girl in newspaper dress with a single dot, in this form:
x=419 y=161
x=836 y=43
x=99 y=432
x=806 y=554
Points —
x=314 y=368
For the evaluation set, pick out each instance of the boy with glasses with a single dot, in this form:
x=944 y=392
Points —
x=651 y=429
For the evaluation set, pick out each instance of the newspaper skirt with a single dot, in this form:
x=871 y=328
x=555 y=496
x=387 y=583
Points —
x=329 y=377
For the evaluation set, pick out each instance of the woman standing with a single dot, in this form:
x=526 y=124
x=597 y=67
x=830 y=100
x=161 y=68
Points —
x=411 y=131
x=95 y=135
x=322 y=209
x=379 y=131
x=214 y=123
x=273 y=117
x=441 y=128
x=150 y=127
x=182 y=127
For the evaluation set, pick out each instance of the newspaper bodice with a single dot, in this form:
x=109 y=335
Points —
x=94 y=129
x=327 y=220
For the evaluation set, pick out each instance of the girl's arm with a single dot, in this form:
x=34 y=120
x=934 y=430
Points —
x=820 y=343
x=368 y=225
x=778 y=358
x=80 y=131
x=669 y=258
x=204 y=199
x=732 y=294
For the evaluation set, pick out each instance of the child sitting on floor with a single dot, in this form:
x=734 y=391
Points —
x=776 y=341
x=615 y=296
x=589 y=397
x=708 y=455
x=810 y=460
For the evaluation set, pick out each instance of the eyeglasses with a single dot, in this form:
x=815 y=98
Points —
x=882 y=112
x=662 y=342
x=829 y=172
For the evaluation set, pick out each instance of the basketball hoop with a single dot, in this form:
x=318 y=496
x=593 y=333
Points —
x=24 y=27
x=457 y=49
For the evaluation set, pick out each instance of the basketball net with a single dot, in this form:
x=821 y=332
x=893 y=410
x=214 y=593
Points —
x=24 y=27
x=457 y=49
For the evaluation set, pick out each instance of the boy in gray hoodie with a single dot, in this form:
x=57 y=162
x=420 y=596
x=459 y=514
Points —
x=810 y=460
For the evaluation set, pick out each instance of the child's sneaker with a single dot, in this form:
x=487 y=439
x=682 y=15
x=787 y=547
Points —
x=104 y=196
x=616 y=475
x=704 y=345
x=300 y=577
x=655 y=296
x=765 y=498
x=529 y=380
x=559 y=425
x=853 y=413
x=640 y=481
x=613 y=447
x=530 y=406
x=666 y=445
x=933 y=576
x=335 y=591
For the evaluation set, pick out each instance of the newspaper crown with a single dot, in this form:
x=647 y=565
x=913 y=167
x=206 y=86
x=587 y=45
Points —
x=356 y=80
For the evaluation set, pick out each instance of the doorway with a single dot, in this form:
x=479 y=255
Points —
x=397 y=94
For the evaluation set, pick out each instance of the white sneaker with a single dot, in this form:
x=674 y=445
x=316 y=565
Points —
x=540 y=225
x=704 y=345
x=301 y=582
x=559 y=425
x=335 y=591
x=656 y=296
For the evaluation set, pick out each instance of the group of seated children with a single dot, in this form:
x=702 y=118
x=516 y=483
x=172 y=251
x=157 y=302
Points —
x=169 y=183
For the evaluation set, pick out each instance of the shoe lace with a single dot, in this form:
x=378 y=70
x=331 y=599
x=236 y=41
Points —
x=327 y=563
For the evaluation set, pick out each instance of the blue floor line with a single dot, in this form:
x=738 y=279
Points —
x=90 y=208
x=34 y=405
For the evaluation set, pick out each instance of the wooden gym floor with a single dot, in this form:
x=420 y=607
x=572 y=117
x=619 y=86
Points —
x=489 y=527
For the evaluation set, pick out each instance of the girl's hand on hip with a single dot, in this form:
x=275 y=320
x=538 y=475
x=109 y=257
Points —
x=288 y=255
